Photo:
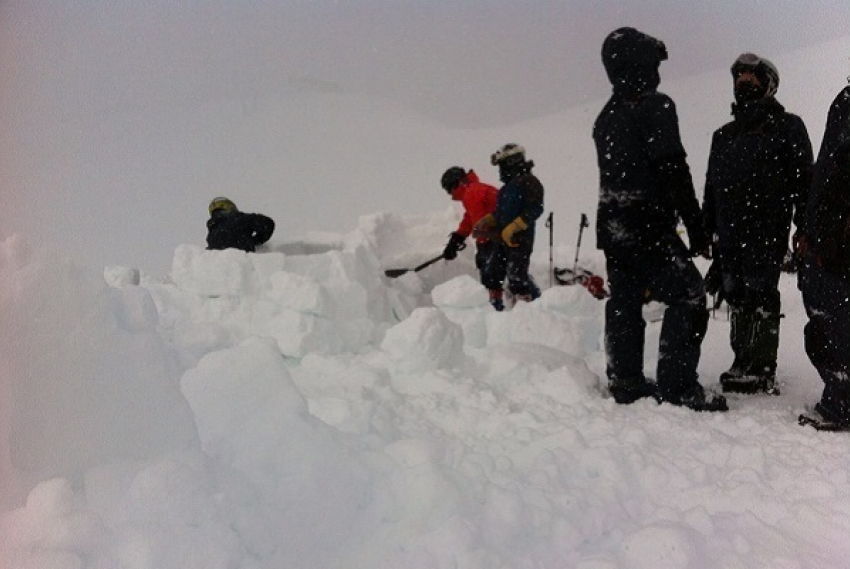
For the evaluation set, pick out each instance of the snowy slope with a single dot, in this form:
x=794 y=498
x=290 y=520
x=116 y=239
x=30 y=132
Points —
x=340 y=425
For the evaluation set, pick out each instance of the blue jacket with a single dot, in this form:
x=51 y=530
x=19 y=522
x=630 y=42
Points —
x=521 y=196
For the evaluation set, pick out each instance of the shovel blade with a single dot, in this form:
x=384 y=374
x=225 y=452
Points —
x=395 y=273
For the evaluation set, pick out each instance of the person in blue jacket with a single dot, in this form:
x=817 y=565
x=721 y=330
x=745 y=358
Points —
x=519 y=205
x=645 y=187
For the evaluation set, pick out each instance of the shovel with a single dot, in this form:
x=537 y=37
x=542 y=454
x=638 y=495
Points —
x=395 y=273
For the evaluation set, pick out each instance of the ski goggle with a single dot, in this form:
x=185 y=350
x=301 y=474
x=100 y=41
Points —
x=508 y=154
x=746 y=62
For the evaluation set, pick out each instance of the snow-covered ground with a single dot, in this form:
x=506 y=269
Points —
x=297 y=409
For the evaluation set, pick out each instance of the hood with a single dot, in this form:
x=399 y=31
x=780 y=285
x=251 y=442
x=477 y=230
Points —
x=631 y=59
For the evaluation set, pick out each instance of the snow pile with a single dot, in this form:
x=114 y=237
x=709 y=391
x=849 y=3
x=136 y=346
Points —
x=299 y=409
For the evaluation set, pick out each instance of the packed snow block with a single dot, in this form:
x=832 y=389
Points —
x=216 y=273
x=251 y=417
x=337 y=275
x=299 y=293
x=460 y=293
x=426 y=341
x=212 y=273
x=466 y=303
x=397 y=235
x=334 y=387
x=565 y=318
x=241 y=395
x=298 y=334
x=357 y=300
x=89 y=378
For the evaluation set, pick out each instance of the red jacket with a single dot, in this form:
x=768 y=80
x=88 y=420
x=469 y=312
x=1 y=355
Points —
x=478 y=200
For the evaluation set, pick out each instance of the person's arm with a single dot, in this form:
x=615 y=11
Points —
x=262 y=227
x=669 y=160
x=800 y=172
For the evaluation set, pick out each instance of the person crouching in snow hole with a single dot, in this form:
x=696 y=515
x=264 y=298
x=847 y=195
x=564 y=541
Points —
x=229 y=228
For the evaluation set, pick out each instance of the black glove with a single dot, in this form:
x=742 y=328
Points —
x=455 y=244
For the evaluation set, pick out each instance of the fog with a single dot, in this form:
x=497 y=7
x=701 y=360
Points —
x=93 y=93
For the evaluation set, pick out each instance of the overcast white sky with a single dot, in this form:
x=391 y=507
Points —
x=473 y=63
x=76 y=76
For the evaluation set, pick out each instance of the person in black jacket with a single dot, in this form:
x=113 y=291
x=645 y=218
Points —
x=825 y=274
x=645 y=186
x=758 y=177
x=229 y=228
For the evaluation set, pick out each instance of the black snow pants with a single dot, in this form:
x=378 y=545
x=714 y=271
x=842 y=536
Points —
x=826 y=297
x=670 y=278
x=497 y=262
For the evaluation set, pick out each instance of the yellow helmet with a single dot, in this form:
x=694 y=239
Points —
x=222 y=204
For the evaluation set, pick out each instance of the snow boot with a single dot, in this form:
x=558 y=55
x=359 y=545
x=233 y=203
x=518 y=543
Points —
x=834 y=404
x=749 y=384
x=628 y=391
x=755 y=340
x=697 y=399
x=832 y=415
x=496 y=299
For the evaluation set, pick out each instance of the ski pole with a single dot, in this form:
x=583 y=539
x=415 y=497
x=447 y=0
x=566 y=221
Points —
x=550 y=223
x=581 y=227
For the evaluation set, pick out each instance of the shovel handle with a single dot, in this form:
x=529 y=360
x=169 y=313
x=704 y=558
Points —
x=395 y=273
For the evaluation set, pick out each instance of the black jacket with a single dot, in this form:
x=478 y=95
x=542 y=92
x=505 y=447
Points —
x=759 y=171
x=828 y=209
x=238 y=230
x=645 y=184
x=521 y=196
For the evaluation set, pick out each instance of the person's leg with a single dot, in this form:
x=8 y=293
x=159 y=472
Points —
x=679 y=285
x=754 y=338
x=520 y=283
x=491 y=263
x=827 y=339
x=625 y=332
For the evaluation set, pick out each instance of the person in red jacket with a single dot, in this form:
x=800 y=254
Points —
x=478 y=199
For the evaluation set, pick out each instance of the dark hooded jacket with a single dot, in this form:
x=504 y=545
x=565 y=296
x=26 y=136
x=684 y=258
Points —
x=827 y=225
x=758 y=176
x=521 y=196
x=645 y=184
x=238 y=230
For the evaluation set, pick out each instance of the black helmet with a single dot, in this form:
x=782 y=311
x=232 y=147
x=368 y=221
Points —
x=511 y=161
x=762 y=68
x=508 y=155
x=452 y=178
x=627 y=49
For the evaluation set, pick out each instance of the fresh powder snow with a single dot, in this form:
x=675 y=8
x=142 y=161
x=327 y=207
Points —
x=303 y=410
